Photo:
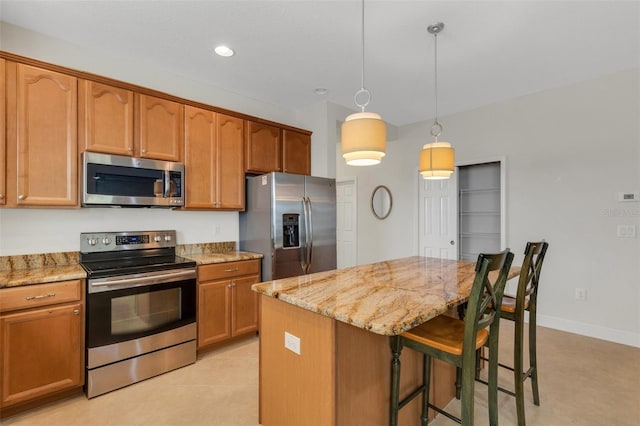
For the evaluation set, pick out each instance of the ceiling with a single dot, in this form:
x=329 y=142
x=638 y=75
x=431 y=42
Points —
x=488 y=51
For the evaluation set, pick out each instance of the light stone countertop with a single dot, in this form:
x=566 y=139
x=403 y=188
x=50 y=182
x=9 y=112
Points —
x=29 y=269
x=208 y=258
x=386 y=297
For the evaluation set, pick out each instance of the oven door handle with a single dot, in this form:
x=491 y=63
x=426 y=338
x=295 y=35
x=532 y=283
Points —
x=149 y=278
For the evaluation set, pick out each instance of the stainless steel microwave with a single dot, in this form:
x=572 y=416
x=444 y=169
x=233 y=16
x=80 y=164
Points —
x=116 y=180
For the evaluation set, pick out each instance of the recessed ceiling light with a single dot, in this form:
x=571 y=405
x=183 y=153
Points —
x=320 y=91
x=224 y=51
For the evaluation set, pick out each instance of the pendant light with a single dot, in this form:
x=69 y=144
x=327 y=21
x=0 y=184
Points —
x=364 y=134
x=436 y=158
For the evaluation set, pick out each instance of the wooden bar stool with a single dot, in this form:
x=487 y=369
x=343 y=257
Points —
x=456 y=341
x=513 y=308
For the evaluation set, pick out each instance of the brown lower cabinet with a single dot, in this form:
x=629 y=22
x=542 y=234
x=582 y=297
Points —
x=227 y=307
x=41 y=342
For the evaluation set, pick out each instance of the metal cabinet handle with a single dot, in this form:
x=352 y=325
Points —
x=232 y=270
x=40 y=296
x=21 y=197
x=130 y=149
x=76 y=312
x=1 y=197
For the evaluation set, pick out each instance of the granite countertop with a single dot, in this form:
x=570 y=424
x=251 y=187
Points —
x=29 y=269
x=208 y=258
x=386 y=298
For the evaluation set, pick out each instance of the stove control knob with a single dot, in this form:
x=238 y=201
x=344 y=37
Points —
x=106 y=241
x=157 y=238
x=167 y=238
x=92 y=241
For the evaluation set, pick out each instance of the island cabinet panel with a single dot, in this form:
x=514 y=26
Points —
x=296 y=152
x=42 y=143
x=213 y=160
x=3 y=134
x=262 y=148
x=159 y=124
x=296 y=389
x=342 y=375
x=42 y=345
x=105 y=118
x=227 y=307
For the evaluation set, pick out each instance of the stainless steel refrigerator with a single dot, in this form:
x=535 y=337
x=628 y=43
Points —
x=291 y=220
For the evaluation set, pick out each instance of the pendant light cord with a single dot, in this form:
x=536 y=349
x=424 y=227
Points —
x=436 y=128
x=362 y=88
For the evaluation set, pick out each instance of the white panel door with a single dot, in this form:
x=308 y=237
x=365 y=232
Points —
x=438 y=217
x=346 y=224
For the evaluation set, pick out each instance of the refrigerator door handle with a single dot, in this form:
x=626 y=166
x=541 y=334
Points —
x=303 y=244
x=309 y=235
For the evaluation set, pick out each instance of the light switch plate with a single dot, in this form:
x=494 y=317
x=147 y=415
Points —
x=626 y=231
x=292 y=342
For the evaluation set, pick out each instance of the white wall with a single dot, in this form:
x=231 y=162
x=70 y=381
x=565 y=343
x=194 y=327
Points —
x=568 y=152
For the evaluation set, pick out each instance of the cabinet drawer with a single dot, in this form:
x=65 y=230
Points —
x=228 y=269
x=40 y=295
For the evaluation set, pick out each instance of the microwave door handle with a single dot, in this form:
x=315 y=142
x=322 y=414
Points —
x=167 y=184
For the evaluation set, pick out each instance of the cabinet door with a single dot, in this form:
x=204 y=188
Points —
x=3 y=135
x=105 y=118
x=230 y=162
x=244 y=310
x=42 y=352
x=262 y=148
x=199 y=154
x=159 y=128
x=45 y=138
x=296 y=152
x=214 y=302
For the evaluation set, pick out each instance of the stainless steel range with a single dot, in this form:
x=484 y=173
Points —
x=141 y=307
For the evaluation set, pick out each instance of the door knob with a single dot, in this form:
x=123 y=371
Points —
x=453 y=243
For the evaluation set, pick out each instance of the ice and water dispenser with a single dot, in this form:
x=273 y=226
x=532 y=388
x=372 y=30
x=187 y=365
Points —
x=290 y=230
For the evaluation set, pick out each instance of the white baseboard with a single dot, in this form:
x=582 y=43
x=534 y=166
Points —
x=590 y=330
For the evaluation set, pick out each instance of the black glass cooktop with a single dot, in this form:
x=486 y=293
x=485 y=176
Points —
x=101 y=267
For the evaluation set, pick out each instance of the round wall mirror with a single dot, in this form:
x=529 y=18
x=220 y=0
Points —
x=381 y=202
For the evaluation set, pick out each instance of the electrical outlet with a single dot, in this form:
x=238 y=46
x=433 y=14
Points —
x=581 y=294
x=292 y=343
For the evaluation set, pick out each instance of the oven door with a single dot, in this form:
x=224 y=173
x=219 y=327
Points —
x=131 y=307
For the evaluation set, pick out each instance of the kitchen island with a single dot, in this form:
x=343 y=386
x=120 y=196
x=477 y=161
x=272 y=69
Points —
x=324 y=340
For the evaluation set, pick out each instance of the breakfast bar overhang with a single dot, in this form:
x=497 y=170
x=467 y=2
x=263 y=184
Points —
x=325 y=340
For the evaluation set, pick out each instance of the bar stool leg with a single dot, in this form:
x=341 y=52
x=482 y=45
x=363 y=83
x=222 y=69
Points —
x=532 y=356
x=425 y=395
x=396 y=348
x=518 y=372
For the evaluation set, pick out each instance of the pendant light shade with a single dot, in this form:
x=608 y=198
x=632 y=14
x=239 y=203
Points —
x=364 y=134
x=437 y=159
x=364 y=139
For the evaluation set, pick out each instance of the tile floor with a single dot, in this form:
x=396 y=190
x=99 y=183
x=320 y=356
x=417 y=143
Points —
x=583 y=381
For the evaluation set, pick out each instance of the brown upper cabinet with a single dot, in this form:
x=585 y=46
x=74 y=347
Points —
x=105 y=118
x=272 y=149
x=213 y=160
x=3 y=135
x=42 y=145
x=296 y=152
x=262 y=148
x=159 y=128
